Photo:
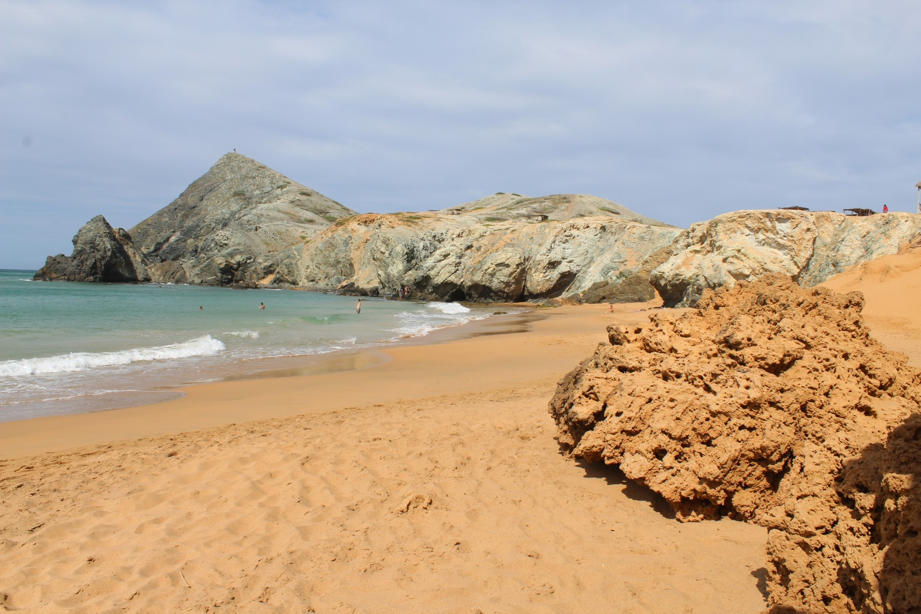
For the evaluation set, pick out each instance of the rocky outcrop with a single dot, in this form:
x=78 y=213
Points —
x=475 y=255
x=244 y=224
x=227 y=227
x=101 y=254
x=810 y=247
x=501 y=207
x=769 y=403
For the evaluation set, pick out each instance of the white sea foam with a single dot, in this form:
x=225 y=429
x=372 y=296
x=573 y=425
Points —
x=449 y=308
x=244 y=334
x=83 y=361
x=438 y=315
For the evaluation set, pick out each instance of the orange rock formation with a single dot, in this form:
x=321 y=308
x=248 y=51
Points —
x=769 y=403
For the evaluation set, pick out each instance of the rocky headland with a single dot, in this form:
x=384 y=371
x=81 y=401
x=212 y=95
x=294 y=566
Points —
x=772 y=404
x=242 y=224
x=226 y=228
x=101 y=253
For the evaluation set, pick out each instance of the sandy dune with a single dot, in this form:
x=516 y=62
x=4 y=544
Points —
x=892 y=286
x=429 y=483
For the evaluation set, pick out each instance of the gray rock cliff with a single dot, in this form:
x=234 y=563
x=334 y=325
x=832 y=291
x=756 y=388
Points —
x=809 y=247
x=101 y=254
x=228 y=225
x=503 y=248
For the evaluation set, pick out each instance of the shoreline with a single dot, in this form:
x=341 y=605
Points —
x=128 y=381
x=267 y=393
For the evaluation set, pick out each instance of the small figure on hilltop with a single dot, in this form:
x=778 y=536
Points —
x=885 y=208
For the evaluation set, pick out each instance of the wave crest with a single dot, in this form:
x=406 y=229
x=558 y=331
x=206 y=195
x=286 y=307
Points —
x=244 y=334
x=84 y=361
x=449 y=308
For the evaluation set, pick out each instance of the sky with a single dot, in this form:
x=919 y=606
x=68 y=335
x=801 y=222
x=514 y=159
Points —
x=678 y=110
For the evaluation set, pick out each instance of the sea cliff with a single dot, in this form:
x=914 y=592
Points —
x=242 y=224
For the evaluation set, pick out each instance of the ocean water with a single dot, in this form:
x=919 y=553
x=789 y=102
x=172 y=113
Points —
x=79 y=347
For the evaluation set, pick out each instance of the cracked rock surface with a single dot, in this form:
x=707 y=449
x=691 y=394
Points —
x=769 y=403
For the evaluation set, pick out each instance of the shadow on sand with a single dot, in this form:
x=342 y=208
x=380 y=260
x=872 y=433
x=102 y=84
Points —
x=615 y=477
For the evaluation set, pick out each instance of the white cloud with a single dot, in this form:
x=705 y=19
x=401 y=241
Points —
x=680 y=110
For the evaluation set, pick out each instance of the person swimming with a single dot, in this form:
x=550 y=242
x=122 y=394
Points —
x=261 y=305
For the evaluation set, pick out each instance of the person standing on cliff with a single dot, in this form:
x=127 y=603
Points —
x=885 y=208
x=358 y=306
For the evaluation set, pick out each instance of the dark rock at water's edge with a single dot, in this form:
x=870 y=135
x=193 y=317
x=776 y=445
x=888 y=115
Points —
x=101 y=254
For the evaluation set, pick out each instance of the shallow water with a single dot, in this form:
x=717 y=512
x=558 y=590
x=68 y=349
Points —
x=78 y=347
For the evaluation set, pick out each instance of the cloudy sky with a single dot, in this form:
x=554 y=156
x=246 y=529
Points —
x=678 y=110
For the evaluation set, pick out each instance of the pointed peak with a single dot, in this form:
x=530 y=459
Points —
x=232 y=158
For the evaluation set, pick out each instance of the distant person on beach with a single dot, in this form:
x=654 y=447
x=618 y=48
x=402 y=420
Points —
x=261 y=305
x=885 y=208
x=406 y=291
x=610 y=307
x=358 y=307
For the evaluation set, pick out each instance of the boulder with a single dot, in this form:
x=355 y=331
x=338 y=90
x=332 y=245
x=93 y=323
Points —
x=769 y=403
x=101 y=254
x=810 y=247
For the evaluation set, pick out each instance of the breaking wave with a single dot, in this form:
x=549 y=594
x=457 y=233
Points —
x=437 y=315
x=84 y=361
x=244 y=334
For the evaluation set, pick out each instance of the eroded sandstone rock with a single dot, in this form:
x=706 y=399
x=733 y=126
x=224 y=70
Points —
x=769 y=403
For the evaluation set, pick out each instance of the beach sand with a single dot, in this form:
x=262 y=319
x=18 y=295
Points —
x=892 y=288
x=418 y=478
x=430 y=482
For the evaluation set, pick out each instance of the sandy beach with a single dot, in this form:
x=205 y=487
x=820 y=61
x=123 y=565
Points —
x=431 y=482
x=420 y=478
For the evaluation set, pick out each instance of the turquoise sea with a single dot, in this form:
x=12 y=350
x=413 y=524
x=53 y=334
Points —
x=79 y=347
